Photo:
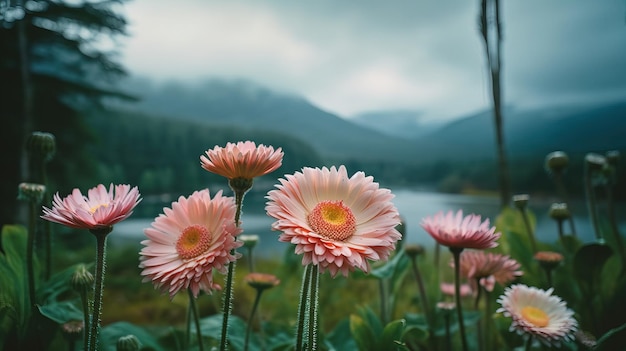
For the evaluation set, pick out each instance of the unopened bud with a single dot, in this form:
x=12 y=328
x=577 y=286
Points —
x=521 y=201
x=42 y=145
x=548 y=259
x=559 y=211
x=82 y=279
x=128 y=343
x=595 y=162
x=612 y=157
x=413 y=250
x=31 y=192
x=73 y=329
x=249 y=241
x=262 y=281
x=556 y=161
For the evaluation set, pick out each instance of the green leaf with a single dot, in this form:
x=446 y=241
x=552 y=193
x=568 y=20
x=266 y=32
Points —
x=399 y=262
x=414 y=334
x=470 y=318
x=340 y=338
x=589 y=260
x=212 y=327
x=61 y=312
x=392 y=335
x=13 y=276
x=112 y=332
x=371 y=319
x=362 y=333
x=612 y=339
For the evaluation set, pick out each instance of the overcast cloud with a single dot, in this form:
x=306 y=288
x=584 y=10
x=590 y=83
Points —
x=355 y=56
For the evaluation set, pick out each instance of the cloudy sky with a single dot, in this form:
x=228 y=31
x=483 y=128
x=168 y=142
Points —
x=354 y=56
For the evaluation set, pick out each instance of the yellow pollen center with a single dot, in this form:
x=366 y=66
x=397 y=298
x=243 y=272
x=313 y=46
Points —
x=193 y=241
x=333 y=220
x=95 y=208
x=535 y=316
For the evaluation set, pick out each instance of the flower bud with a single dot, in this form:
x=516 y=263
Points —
x=128 y=343
x=559 y=211
x=521 y=201
x=556 y=161
x=82 y=279
x=548 y=259
x=413 y=250
x=262 y=281
x=595 y=162
x=612 y=157
x=31 y=192
x=249 y=241
x=72 y=329
x=42 y=145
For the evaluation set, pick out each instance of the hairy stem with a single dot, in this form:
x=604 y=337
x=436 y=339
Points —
x=101 y=240
x=313 y=308
x=196 y=318
x=456 y=254
x=304 y=296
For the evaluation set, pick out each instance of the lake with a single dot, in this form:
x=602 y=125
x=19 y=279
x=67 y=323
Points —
x=413 y=205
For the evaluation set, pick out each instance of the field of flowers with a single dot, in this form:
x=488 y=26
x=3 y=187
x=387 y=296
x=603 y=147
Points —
x=348 y=282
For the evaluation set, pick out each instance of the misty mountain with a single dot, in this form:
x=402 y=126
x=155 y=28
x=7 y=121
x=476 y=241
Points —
x=401 y=123
x=533 y=132
x=245 y=104
x=528 y=132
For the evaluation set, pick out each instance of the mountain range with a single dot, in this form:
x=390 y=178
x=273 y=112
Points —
x=387 y=135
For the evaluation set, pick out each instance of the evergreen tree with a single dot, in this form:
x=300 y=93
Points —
x=54 y=68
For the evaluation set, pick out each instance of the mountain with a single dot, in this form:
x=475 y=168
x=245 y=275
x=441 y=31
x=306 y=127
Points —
x=401 y=123
x=248 y=105
x=532 y=132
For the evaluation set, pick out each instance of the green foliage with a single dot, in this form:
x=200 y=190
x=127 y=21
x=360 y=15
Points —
x=15 y=311
x=369 y=333
x=111 y=333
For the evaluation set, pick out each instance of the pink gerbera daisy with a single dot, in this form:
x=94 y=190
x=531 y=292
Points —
x=448 y=289
x=100 y=209
x=458 y=232
x=487 y=267
x=189 y=241
x=243 y=160
x=538 y=314
x=336 y=222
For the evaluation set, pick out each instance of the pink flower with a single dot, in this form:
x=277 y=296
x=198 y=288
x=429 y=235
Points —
x=487 y=267
x=99 y=209
x=188 y=242
x=242 y=160
x=538 y=314
x=335 y=222
x=458 y=232
x=448 y=289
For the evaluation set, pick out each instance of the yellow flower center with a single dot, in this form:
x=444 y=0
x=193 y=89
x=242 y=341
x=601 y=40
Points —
x=333 y=220
x=535 y=316
x=193 y=241
x=95 y=208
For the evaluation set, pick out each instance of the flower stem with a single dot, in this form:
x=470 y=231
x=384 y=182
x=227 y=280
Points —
x=101 y=241
x=422 y=290
x=228 y=293
x=529 y=344
x=384 y=311
x=591 y=203
x=304 y=296
x=446 y=318
x=531 y=234
x=250 y=261
x=30 y=254
x=456 y=254
x=196 y=318
x=46 y=226
x=251 y=318
x=487 y=321
x=313 y=308
x=86 y=325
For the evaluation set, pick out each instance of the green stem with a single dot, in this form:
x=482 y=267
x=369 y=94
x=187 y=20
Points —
x=560 y=184
x=591 y=204
x=382 y=288
x=487 y=321
x=614 y=228
x=86 y=325
x=422 y=290
x=101 y=240
x=251 y=318
x=531 y=234
x=448 y=339
x=313 y=309
x=228 y=293
x=456 y=253
x=250 y=262
x=529 y=343
x=304 y=296
x=47 y=226
x=188 y=328
x=549 y=276
x=30 y=254
x=196 y=318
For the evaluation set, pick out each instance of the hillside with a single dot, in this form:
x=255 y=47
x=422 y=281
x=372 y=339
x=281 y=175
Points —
x=244 y=104
x=532 y=133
